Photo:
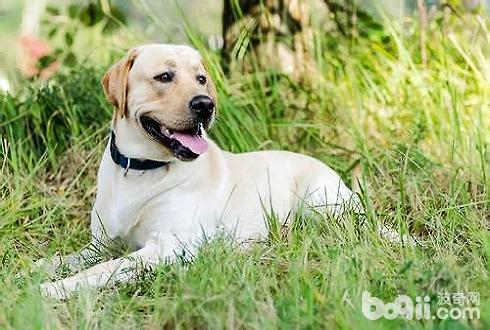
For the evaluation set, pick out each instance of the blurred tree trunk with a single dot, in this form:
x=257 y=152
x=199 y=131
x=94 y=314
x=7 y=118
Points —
x=231 y=16
x=276 y=32
x=279 y=34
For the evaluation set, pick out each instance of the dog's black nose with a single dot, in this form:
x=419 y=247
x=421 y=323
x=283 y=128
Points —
x=202 y=106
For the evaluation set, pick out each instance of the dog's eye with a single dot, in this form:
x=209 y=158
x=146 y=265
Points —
x=165 y=77
x=201 y=79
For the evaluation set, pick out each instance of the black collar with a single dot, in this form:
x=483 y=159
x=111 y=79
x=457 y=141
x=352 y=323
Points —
x=132 y=163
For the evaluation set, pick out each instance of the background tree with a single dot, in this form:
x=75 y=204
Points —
x=277 y=32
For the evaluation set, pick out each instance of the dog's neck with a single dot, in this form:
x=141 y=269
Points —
x=133 y=142
x=128 y=163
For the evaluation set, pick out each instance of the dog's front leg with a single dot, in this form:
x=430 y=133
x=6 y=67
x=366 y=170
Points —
x=74 y=261
x=106 y=273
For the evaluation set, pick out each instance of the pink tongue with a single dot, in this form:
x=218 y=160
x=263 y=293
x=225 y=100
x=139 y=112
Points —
x=197 y=144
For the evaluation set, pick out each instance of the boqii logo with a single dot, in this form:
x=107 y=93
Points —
x=456 y=306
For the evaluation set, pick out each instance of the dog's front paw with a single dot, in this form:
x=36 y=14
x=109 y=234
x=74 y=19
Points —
x=53 y=290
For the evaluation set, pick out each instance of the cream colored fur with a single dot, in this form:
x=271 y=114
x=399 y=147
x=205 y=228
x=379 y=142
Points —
x=165 y=211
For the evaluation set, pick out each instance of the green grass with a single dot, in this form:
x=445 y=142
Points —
x=420 y=136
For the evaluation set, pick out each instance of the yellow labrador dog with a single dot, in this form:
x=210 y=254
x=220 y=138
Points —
x=163 y=183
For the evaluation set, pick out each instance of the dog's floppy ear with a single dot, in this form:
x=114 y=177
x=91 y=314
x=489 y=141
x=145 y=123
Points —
x=115 y=82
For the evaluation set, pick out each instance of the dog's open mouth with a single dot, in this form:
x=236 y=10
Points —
x=184 y=144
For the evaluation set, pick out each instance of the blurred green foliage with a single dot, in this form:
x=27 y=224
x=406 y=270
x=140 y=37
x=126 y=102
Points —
x=47 y=117
x=108 y=17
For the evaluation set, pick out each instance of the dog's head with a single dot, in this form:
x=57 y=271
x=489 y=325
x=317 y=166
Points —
x=164 y=94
